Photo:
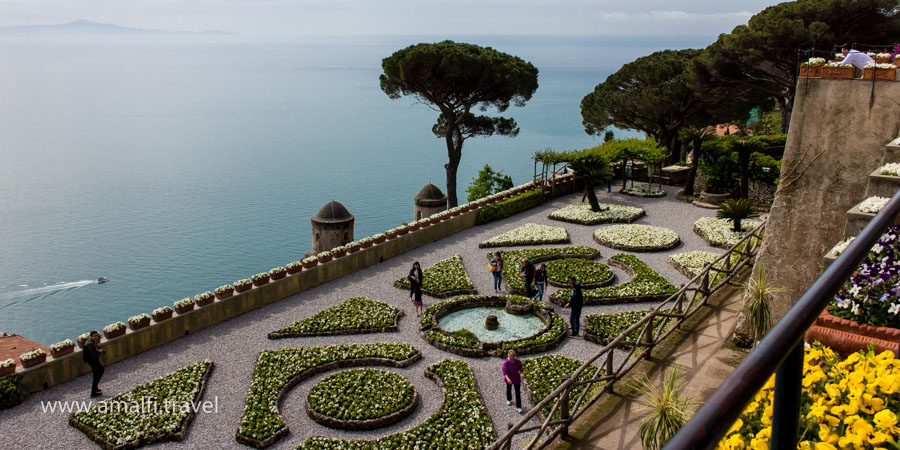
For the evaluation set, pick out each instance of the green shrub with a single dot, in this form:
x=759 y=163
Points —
x=465 y=333
x=510 y=206
x=11 y=394
x=760 y=160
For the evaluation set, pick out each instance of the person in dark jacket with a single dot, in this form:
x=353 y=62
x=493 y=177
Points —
x=415 y=287
x=91 y=355
x=540 y=281
x=528 y=272
x=576 y=300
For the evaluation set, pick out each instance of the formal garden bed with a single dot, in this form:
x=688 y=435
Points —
x=466 y=344
x=603 y=328
x=645 y=285
x=690 y=264
x=543 y=374
x=461 y=422
x=513 y=279
x=529 y=234
x=644 y=191
x=848 y=403
x=355 y=315
x=590 y=274
x=637 y=238
x=277 y=371
x=445 y=278
x=720 y=232
x=361 y=399
x=581 y=213
x=164 y=410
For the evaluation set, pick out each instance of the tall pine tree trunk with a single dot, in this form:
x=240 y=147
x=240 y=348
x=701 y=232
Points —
x=692 y=175
x=591 y=195
x=454 y=152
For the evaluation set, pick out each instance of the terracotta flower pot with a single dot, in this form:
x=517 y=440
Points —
x=293 y=269
x=811 y=71
x=7 y=370
x=225 y=294
x=390 y=234
x=413 y=227
x=354 y=248
x=338 y=254
x=882 y=60
x=278 y=275
x=365 y=244
x=847 y=336
x=164 y=316
x=243 y=287
x=840 y=72
x=200 y=301
x=261 y=281
x=184 y=309
x=63 y=351
x=880 y=74
x=455 y=213
x=402 y=231
x=81 y=342
x=140 y=324
x=378 y=240
x=324 y=259
x=34 y=361
x=309 y=264
x=114 y=334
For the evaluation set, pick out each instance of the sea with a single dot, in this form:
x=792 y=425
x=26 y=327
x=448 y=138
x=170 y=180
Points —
x=175 y=165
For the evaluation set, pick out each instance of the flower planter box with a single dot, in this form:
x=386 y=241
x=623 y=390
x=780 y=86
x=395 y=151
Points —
x=390 y=234
x=225 y=294
x=164 y=316
x=7 y=370
x=81 y=342
x=880 y=74
x=837 y=72
x=811 y=71
x=261 y=281
x=34 y=361
x=62 y=351
x=378 y=240
x=243 y=287
x=116 y=333
x=846 y=336
x=139 y=324
x=292 y=270
x=184 y=309
x=278 y=275
x=339 y=254
x=413 y=227
x=353 y=248
x=309 y=264
x=402 y=232
x=883 y=60
x=425 y=222
x=324 y=259
x=204 y=301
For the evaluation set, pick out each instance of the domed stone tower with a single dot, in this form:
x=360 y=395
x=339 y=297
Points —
x=331 y=226
x=430 y=200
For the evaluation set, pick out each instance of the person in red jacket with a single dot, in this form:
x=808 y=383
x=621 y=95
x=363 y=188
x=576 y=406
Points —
x=512 y=375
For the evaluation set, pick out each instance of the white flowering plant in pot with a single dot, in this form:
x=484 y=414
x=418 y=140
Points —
x=113 y=327
x=61 y=345
x=33 y=354
x=874 y=204
x=891 y=169
x=139 y=318
x=184 y=303
x=9 y=362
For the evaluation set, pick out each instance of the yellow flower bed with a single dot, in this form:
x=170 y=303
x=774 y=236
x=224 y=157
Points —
x=849 y=404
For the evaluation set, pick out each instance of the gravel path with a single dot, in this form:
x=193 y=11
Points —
x=233 y=345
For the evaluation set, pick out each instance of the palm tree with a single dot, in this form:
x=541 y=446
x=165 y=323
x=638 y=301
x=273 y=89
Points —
x=736 y=210
x=591 y=169
x=695 y=136
x=744 y=148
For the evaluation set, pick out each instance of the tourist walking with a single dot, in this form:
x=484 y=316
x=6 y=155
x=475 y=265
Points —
x=540 y=281
x=496 y=269
x=527 y=271
x=415 y=286
x=576 y=300
x=91 y=355
x=512 y=375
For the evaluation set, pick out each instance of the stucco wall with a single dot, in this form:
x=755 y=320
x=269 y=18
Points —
x=838 y=132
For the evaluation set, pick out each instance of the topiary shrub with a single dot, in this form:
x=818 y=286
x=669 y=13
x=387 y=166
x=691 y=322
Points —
x=510 y=206
x=491 y=322
x=11 y=394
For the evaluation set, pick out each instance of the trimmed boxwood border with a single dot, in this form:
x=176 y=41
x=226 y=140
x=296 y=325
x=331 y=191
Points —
x=368 y=424
x=445 y=294
x=177 y=435
x=512 y=260
x=606 y=282
x=316 y=369
x=390 y=328
x=510 y=206
x=561 y=297
x=637 y=248
x=515 y=304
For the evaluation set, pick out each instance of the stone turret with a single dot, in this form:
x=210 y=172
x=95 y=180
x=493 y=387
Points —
x=331 y=226
x=430 y=200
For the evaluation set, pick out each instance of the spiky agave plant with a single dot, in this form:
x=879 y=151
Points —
x=757 y=305
x=666 y=408
x=736 y=210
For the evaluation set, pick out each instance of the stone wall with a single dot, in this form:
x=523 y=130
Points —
x=838 y=132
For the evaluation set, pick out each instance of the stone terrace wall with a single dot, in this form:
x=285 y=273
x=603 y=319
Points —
x=838 y=132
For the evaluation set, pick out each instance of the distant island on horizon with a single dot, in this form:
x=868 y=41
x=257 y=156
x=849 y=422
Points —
x=87 y=27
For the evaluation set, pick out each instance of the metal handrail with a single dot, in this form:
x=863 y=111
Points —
x=687 y=300
x=782 y=349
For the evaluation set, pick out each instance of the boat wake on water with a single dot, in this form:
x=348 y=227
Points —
x=27 y=295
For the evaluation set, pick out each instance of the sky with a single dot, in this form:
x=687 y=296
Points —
x=398 y=17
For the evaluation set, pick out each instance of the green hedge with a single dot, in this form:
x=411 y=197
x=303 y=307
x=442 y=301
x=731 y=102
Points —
x=510 y=206
x=10 y=392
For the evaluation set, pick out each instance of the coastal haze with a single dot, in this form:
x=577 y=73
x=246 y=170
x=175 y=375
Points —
x=173 y=163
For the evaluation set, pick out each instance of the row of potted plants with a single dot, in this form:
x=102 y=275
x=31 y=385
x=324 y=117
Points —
x=582 y=214
x=278 y=370
x=461 y=422
x=358 y=395
x=720 y=232
x=529 y=234
x=637 y=238
x=445 y=278
x=354 y=315
x=645 y=285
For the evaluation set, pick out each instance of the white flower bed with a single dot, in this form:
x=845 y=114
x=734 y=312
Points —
x=872 y=205
x=841 y=246
x=631 y=237
x=529 y=234
x=354 y=315
x=644 y=191
x=445 y=278
x=720 y=232
x=892 y=169
x=159 y=417
x=692 y=263
x=581 y=213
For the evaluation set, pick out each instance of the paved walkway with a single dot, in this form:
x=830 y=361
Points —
x=613 y=423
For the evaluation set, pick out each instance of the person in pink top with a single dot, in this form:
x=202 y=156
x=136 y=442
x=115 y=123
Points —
x=512 y=374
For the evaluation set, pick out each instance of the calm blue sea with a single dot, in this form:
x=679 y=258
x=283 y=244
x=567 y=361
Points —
x=173 y=167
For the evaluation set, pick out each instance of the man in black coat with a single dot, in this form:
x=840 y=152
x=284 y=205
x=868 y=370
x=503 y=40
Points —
x=91 y=355
x=576 y=300
x=528 y=273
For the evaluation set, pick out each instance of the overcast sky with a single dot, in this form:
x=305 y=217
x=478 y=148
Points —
x=398 y=17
